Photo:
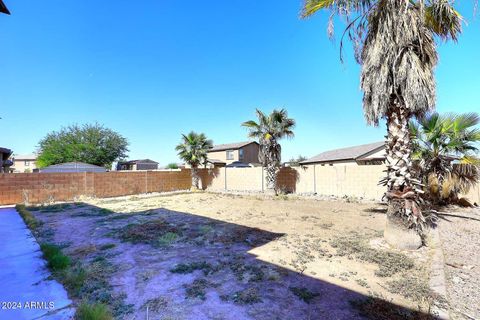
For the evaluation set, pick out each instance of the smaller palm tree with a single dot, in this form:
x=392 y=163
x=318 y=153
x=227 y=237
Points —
x=446 y=150
x=193 y=150
x=269 y=130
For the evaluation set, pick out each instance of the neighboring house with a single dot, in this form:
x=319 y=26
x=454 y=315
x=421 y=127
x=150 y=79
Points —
x=72 y=167
x=24 y=163
x=365 y=154
x=143 y=164
x=3 y=8
x=5 y=163
x=241 y=152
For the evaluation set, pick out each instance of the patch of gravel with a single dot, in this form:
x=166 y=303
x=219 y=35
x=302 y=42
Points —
x=460 y=239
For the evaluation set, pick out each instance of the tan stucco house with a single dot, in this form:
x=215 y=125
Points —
x=24 y=162
x=365 y=154
x=228 y=154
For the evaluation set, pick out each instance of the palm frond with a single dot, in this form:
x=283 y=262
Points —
x=344 y=7
x=193 y=148
x=250 y=124
x=466 y=176
x=310 y=7
x=442 y=18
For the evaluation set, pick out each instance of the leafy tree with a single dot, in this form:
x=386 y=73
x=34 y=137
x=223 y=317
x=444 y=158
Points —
x=296 y=161
x=89 y=143
x=269 y=130
x=446 y=150
x=394 y=43
x=172 y=165
x=193 y=150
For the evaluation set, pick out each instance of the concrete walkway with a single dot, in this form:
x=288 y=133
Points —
x=24 y=277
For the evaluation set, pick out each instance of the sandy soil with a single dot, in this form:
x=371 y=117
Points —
x=215 y=256
x=461 y=246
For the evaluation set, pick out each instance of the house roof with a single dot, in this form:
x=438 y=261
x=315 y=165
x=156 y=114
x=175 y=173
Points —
x=5 y=153
x=3 y=8
x=350 y=153
x=73 y=167
x=238 y=164
x=231 y=146
x=215 y=161
x=30 y=156
x=5 y=150
x=138 y=161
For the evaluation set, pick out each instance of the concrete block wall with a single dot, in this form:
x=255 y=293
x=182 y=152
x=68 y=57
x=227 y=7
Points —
x=45 y=187
x=357 y=181
x=40 y=187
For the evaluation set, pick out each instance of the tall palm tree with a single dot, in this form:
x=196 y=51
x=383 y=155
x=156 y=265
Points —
x=193 y=150
x=394 y=43
x=3 y=8
x=269 y=130
x=446 y=150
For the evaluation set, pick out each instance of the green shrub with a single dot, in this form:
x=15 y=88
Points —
x=27 y=217
x=55 y=258
x=167 y=239
x=96 y=311
x=172 y=166
x=74 y=278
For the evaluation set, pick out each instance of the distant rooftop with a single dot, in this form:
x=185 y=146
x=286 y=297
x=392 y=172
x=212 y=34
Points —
x=5 y=154
x=3 y=8
x=73 y=167
x=215 y=161
x=349 y=153
x=137 y=161
x=231 y=146
x=30 y=156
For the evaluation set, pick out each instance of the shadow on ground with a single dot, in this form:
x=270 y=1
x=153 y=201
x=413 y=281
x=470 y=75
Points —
x=184 y=266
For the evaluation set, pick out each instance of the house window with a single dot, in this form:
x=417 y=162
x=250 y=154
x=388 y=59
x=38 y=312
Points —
x=240 y=154
x=229 y=155
x=27 y=163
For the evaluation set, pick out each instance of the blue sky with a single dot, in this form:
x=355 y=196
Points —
x=153 y=69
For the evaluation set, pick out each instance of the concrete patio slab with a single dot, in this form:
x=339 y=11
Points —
x=26 y=288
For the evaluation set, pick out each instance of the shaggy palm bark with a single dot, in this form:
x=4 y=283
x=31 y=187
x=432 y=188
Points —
x=195 y=178
x=398 y=58
x=402 y=193
x=271 y=177
x=270 y=158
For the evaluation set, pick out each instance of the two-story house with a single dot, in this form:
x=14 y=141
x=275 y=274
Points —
x=24 y=162
x=231 y=153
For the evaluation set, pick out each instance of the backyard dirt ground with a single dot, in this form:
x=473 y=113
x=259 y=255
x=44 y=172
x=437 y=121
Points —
x=218 y=256
x=460 y=238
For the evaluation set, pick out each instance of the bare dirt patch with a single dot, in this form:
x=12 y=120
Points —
x=211 y=256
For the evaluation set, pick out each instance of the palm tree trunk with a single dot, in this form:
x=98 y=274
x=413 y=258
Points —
x=401 y=193
x=271 y=177
x=195 y=178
